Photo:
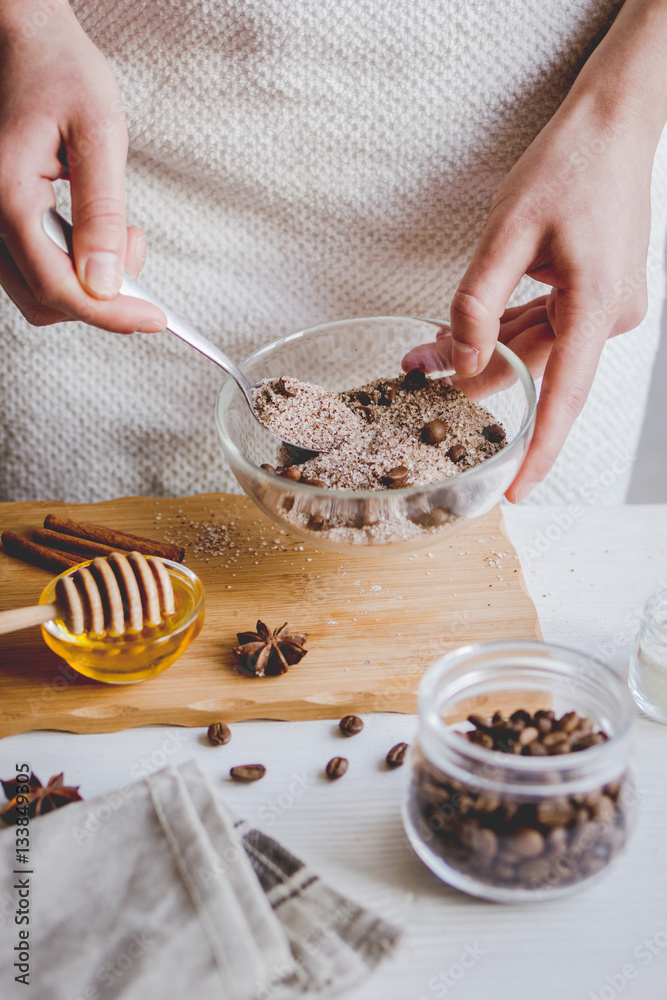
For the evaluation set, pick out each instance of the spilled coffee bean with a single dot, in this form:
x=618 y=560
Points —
x=396 y=756
x=247 y=772
x=350 y=725
x=219 y=734
x=336 y=768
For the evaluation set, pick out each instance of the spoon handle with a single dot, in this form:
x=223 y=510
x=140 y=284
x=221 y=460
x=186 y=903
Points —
x=59 y=232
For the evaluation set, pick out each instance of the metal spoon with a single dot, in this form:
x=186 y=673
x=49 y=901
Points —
x=59 y=232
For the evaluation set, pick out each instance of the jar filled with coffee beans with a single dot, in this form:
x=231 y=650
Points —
x=519 y=784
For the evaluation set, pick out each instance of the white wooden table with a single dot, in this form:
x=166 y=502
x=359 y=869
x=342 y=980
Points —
x=589 y=575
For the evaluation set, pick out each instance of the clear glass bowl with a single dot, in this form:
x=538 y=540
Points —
x=504 y=826
x=134 y=656
x=351 y=353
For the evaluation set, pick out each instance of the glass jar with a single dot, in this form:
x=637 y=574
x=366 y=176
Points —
x=648 y=667
x=504 y=825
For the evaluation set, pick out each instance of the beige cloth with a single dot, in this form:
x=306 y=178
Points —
x=294 y=161
x=160 y=892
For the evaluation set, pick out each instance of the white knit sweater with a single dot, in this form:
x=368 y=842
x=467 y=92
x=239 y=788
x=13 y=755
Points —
x=294 y=161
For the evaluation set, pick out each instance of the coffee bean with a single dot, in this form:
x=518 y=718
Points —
x=433 y=518
x=588 y=740
x=494 y=433
x=434 y=431
x=350 y=725
x=247 y=772
x=535 y=749
x=364 y=517
x=556 y=841
x=527 y=735
x=505 y=872
x=544 y=721
x=219 y=734
x=414 y=379
x=283 y=389
x=568 y=722
x=367 y=414
x=556 y=811
x=536 y=872
x=362 y=397
x=314 y=482
x=396 y=478
x=316 y=522
x=487 y=802
x=521 y=715
x=480 y=841
x=396 y=755
x=604 y=811
x=613 y=789
x=433 y=795
x=267 y=467
x=456 y=453
x=291 y=472
x=590 y=799
x=481 y=739
x=387 y=395
x=336 y=768
x=554 y=739
x=525 y=843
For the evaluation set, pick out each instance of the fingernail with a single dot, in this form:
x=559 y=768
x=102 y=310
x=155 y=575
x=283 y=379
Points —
x=103 y=273
x=465 y=359
x=525 y=491
x=150 y=326
x=141 y=251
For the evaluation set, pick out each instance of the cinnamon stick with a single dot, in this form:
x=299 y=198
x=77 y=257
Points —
x=37 y=555
x=115 y=539
x=70 y=543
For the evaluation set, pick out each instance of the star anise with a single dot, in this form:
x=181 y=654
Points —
x=38 y=799
x=266 y=654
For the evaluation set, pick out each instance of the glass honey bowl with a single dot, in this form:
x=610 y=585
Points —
x=133 y=656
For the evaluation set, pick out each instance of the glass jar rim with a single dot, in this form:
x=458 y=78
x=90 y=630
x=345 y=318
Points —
x=453 y=673
x=655 y=604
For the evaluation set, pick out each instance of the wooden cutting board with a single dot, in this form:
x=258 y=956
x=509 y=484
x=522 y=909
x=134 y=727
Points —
x=374 y=623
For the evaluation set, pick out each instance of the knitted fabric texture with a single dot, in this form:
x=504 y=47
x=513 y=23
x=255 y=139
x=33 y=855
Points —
x=291 y=163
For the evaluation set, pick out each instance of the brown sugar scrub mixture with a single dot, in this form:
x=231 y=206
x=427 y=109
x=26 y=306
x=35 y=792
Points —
x=407 y=431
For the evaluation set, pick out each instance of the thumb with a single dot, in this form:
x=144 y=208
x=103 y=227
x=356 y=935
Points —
x=498 y=264
x=99 y=237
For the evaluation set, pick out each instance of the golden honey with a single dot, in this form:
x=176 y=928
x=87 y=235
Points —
x=133 y=656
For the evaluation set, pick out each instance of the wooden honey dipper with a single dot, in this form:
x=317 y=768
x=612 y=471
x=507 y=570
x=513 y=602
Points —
x=117 y=593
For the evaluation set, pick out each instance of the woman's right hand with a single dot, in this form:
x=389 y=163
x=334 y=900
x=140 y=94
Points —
x=61 y=115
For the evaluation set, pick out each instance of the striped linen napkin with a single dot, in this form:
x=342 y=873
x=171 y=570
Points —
x=171 y=896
